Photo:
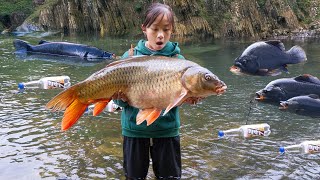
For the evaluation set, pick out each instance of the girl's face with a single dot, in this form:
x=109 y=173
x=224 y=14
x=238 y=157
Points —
x=159 y=33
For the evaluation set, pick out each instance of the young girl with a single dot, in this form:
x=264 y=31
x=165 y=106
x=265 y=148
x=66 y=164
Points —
x=161 y=139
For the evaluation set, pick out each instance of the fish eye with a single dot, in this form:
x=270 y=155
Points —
x=207 y=77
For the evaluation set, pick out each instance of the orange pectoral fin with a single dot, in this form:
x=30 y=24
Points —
x=177 y=101
x=99 y=107
x=72 y=114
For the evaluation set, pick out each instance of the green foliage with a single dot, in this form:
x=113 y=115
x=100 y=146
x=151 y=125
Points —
x=302 y=8
x=35 y=14
x=8 y=7
x=261 y=3
x=1 y=27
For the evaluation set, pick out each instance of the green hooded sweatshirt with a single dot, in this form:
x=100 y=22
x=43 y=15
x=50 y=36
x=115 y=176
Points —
x=165 y=126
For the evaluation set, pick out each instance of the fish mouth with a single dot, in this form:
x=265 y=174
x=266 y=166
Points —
x=283 y=106
x=260 y=97
x=220 y=90
x=236 y=70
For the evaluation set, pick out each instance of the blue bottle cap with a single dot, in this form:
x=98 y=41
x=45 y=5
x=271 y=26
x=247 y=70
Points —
x=282 y=150
x=21 y=86
x=220 y=134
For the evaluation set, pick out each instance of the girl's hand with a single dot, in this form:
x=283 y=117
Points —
x=120 y=96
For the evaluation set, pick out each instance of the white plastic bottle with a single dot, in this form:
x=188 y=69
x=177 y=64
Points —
x=47 y=83
x=111 y=107
x=247 y=131
x=306 y=147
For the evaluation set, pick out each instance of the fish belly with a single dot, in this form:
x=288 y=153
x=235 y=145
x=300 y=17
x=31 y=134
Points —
x=154 y=97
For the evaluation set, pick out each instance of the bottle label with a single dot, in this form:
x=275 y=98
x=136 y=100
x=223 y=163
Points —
x=256 y=132
x=55 y=84
x=313 y=148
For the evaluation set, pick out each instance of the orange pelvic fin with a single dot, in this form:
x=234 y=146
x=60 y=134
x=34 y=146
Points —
x=150 y=115
x=72 y=114
x=99 y=107
x=177 y=101
x=153 y=116
x=142 y=115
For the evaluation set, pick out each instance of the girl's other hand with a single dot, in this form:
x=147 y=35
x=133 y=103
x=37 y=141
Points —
x=193 y=100
x=120 y=96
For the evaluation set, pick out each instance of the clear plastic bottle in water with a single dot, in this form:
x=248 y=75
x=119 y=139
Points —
x=306 y=147
x=47 y=83
x=111 y=107
x=247 y=131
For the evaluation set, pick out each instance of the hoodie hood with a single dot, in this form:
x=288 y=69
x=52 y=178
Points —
x=170 y=49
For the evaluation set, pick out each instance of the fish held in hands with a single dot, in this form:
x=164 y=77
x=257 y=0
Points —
x=150 y=83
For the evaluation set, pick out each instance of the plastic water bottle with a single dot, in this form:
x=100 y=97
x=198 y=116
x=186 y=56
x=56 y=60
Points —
x=247 y=131
x=46 y=83
x=306 y=147
x=112 y=107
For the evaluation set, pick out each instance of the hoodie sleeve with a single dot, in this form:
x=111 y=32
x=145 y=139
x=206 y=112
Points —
x=180 y=56
x=125 y=55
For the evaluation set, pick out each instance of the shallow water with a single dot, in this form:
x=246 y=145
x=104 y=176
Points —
x=33 y=147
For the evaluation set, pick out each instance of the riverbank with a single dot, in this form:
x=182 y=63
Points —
x=260 y=19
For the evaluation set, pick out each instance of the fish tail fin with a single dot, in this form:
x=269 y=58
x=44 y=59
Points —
x=21 y=46
x=63 y=100
x=297 y=55
x=68 y=100
x=72 y=114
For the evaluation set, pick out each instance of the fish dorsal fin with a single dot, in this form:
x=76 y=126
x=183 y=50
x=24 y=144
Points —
x=277 y=44
x=314 y=96
x=138 y=58
x=307 y=78
x=85 y=55
x=43 y=42
x=118 y=62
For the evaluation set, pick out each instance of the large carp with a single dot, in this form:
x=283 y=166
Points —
x=62 y=49
x=286 y=88
x=267 y=58
x=150 y=83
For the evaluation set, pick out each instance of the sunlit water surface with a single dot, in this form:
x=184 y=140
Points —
x=33 y=147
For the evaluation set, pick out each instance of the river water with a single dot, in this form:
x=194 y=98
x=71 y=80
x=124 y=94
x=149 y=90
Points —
x=33 y=147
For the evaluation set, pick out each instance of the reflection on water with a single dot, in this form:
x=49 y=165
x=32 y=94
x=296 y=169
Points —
x=33 y=147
